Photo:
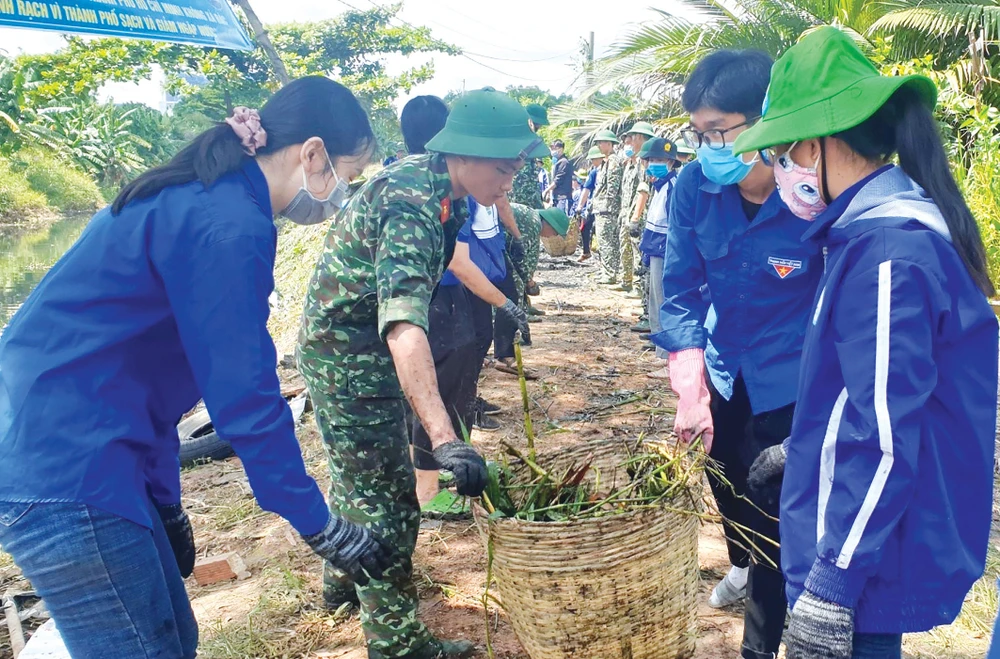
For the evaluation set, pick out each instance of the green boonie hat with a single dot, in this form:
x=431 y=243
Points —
x=555 y=218
x=642 y=128
x=606 y=136
x=538 y=115
x=686 y=150
x=821 y=86
x=658 y=148
x=488 y=124
x=594 y=153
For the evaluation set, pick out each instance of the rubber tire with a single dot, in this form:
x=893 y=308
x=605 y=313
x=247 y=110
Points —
x=200 y=442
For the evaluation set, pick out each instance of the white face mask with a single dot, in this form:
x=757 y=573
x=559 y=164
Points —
x=305 y=208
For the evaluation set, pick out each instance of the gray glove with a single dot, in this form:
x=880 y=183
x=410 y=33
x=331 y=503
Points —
x=465 y=464
x=819 y=630
x=352 y=549
x=515 y=313
x=635 y=230
x=764 y=480
x=181 y=536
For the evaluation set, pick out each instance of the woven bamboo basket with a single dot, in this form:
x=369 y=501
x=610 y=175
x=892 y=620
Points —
x=560 y=246
x=616 y=587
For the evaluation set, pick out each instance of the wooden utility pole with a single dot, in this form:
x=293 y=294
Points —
x=260 y=34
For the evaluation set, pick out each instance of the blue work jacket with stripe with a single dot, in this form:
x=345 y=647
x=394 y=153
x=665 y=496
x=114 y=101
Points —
x=761 y=278
x=147 y=312
x=888 y=486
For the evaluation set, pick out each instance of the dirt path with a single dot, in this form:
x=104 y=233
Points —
x=593 y=384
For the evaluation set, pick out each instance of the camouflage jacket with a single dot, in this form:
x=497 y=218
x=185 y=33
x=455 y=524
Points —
x=525 y=189
x=608 y=190
x=383 y=257
x=530 y=226
x=631 y=175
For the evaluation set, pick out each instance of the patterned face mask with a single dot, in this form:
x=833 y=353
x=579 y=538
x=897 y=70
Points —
x=799 y=186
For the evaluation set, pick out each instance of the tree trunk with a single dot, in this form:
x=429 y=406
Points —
x=265 y=41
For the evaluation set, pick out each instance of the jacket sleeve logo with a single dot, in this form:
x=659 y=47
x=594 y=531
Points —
x=783 y=267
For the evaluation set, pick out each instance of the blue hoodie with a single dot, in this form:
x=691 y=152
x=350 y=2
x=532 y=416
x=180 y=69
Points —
x=886 y=501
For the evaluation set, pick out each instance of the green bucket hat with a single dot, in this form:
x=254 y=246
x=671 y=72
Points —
x=821 y=86
x=685 y=149
x=642 y=128
x=538 y=114
x=594 y=153
x=606 y=136
x=555 y=218
x=488 y=124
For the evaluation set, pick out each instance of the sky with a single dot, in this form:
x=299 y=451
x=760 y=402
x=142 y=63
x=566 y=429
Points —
x=507 y=42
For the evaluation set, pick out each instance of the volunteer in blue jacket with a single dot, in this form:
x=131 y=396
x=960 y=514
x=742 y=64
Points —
x=886 y=502
x=735 y=369
x=162 y=301
x=659 y=157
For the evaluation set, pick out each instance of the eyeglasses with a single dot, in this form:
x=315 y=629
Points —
x=714 y=139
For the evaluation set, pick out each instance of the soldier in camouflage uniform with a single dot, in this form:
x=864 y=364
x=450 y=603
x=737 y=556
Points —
x=363 y=345
x=607 y=205
x=526 y=190
x=632 y=174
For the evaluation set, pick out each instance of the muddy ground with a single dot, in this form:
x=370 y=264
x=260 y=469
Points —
x=592 y=384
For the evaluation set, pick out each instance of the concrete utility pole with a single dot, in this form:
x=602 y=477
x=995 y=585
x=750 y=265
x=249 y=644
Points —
x=590 y=60
x=260 y=34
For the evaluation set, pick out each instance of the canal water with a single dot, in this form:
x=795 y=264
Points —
x=27 y=253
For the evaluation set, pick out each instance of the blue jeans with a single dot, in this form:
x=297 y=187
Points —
x=112 y=586
x=878 y=646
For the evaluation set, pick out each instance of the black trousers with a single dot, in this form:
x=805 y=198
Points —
x=452 y=338
x=740 y=436
x=587 y=232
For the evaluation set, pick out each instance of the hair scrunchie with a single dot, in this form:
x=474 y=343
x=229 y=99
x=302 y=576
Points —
x=246 y=124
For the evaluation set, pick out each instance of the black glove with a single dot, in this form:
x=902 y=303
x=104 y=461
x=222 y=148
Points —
x=351 y=548
x=181 y=536
x=515 y=313
x=516 y=251
x=635 y=230
x=764 y=479
x=465 y=464
x=819 y=630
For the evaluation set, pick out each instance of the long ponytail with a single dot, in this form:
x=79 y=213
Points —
x=312 y=106
x=904 y=125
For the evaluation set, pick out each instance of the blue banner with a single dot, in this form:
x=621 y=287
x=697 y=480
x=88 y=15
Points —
x=197 y=22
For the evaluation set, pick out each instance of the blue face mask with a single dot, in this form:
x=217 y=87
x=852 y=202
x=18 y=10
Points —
x=657 y=170
x=722 y=167
x=629 y=151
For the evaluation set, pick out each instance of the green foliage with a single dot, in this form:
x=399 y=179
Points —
x=100 y=139
x=351 y=48
x=17 y=200
x=65 y=187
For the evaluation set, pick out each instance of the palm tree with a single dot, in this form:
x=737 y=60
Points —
x=652 y=61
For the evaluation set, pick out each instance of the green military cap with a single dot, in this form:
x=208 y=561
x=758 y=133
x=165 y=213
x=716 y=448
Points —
x=642 y=128
x=555 y=218
x=685 y=149
x=606 y=136
x=538 y=114
x=659 y=148
x=821 y=86
x=594 y=153
x=488 y=124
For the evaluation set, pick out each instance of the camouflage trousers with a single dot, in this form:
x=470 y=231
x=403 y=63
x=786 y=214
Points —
x=608 y=245
x=372 y=484
x=641 y=278
x=627 y=252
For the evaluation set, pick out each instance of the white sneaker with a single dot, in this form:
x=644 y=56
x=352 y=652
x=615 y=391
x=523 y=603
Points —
x=731 y=589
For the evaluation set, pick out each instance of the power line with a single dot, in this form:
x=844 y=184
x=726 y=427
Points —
x=462 y=54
